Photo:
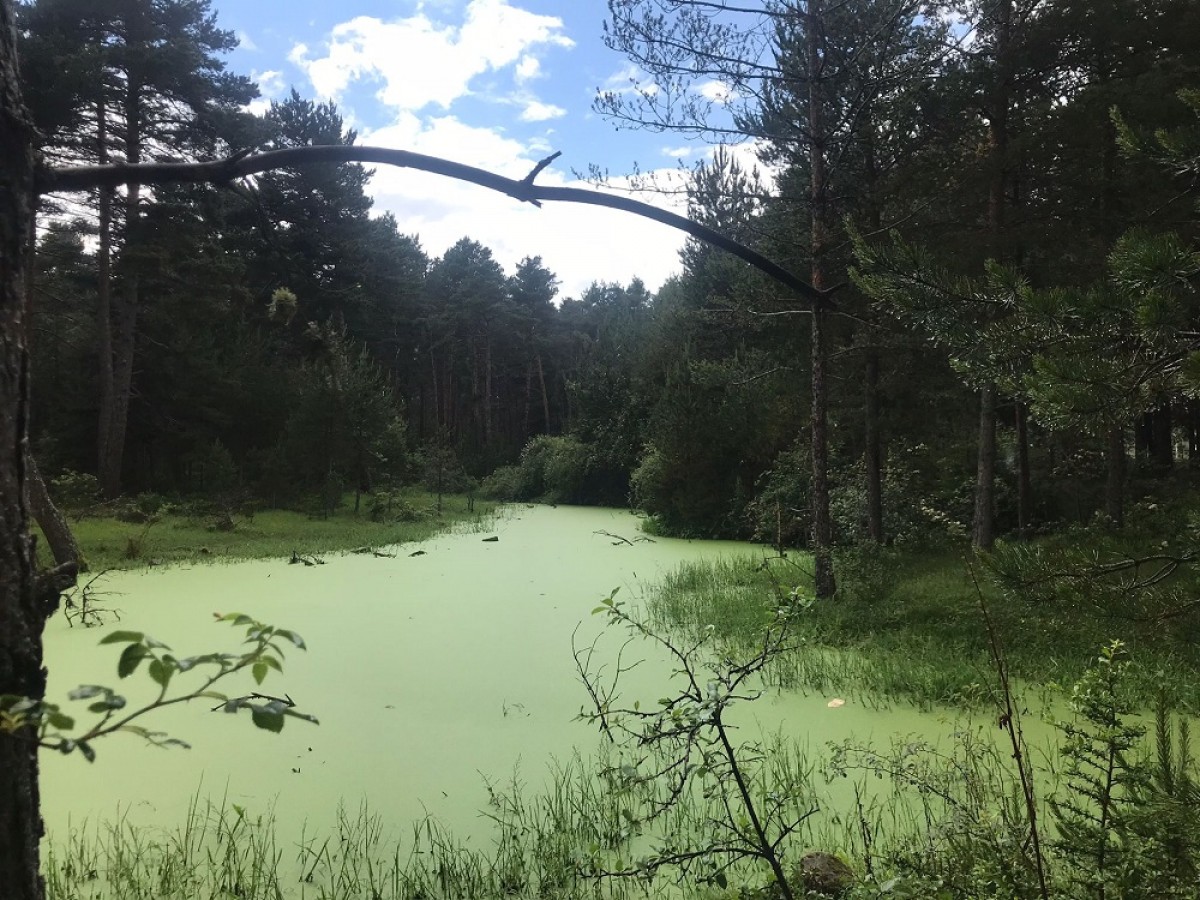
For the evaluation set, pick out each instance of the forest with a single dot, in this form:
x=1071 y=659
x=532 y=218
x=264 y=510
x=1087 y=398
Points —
x=996 y=202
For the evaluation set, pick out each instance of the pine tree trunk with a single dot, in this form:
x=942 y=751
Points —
x=104 y=330
x=1024 y=483
x=21 y=615
x=488 y=424
x=983 y=533
x=545 y=395
x=1163 y=444
x=1193 y=431
x=1114 y=488
x=824 y=584
x=124 y=337
x=983 y=528
x=873 y=453
x=528 y=399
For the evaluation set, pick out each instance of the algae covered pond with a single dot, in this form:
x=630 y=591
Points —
x=431 y=675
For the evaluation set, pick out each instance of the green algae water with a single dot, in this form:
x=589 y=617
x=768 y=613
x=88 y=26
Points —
x=431 y=675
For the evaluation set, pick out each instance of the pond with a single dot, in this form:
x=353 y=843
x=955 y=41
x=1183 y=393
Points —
x=429 y=673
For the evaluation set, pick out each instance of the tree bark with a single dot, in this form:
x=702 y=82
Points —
x=124 y=305
x=824 y=583
x=545 y=395
x=873 y=453
x=1024 y=483
x=104 y=330
x=57 y=532
x=1163 y=443
x=983 y=528
x=22 y=616
x=983 y=533
x=53 y=523
x=1114 y=488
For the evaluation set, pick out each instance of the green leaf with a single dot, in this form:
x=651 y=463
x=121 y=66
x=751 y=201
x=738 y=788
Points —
x=86 y=692
x=721 y=881
x=293 y=637
x=86 y=749
x=109 y=703
x=267 y=720
x=122 y=637
x=259 y=671
x=161 y=671
x=61 y=721
x=130 y=659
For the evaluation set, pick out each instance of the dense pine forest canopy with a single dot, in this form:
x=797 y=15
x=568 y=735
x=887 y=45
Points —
x=990 y=200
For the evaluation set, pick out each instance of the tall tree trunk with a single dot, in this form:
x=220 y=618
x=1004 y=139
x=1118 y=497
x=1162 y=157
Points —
x=824 y=584
x=22 y=615
x=525 y=426
x=983 y=526
x=104 y=331
x=1193 y=431
x=983 y=534
x=1024 y=483
x=545 y=395
x=488 y=424
x=873 y=453
x=1163 y=443
x=54 y=526
x=1114 y=488
x=124 y=302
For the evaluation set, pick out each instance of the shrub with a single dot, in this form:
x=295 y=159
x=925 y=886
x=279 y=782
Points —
x=75 y=490
x=504 y=484
x=554 y=468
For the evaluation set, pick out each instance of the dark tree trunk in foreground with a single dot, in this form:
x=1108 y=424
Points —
x=983 y=535
x=873 y=454
x=21 y=618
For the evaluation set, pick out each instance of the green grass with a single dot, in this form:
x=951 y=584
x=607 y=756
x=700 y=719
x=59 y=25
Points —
x=911 y=629
x=109 y=543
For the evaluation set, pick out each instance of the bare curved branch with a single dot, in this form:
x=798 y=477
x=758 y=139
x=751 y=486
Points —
x=242 y=164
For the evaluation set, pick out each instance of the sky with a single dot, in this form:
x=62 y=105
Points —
x=498 y=84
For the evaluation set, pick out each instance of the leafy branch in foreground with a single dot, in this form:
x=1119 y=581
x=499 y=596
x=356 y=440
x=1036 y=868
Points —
x=261 y=652
x=680 y=756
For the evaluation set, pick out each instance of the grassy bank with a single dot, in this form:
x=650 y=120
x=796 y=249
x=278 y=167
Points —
x=909 y=627
x=175 y=534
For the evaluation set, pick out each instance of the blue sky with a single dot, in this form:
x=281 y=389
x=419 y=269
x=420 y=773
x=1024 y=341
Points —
x=493 y=83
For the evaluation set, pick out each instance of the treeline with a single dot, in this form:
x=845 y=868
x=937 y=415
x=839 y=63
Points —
x=1002 y=202
x=276 y=337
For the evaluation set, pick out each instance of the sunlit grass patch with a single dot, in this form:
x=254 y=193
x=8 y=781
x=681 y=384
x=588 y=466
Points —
x=913 y=633
x=175 y=535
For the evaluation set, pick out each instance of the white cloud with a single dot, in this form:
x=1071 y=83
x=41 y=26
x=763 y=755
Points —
x=536 y=111
x=716 y=91
x=245 y=42
x=420 y=62
x=579 y=243
x=270 y=83
x=679 y=152
x=527 y=69
x=629 y=80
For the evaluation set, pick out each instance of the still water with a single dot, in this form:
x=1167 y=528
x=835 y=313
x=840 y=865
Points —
x=429 y=674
